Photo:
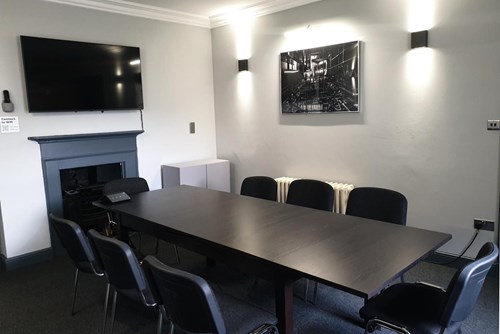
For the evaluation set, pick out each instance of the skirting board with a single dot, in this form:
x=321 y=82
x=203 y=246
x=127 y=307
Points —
x=9 y=264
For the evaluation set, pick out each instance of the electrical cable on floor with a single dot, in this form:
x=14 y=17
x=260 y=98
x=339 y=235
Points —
x=463 y=252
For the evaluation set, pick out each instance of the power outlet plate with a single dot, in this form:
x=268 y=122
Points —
x=192 y=127
x=493 y=124
x=483 y=224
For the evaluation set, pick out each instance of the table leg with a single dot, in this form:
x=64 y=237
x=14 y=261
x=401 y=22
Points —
x=122 y=232
x=284 y=305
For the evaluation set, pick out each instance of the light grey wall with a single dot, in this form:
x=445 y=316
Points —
x=177 y=86
x=422 y=128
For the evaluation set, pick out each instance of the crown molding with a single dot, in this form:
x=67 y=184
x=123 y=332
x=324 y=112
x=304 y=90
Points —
x=134 y=9
x=157 y=13
x=262 y=8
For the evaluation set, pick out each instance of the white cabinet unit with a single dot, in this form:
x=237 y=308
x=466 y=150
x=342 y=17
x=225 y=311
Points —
x=211 y=174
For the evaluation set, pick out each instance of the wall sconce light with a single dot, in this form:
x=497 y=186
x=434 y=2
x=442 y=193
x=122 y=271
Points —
x=419 y=39
x=243 y=65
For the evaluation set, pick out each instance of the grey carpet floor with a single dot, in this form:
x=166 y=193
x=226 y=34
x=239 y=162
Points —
x=38 y=299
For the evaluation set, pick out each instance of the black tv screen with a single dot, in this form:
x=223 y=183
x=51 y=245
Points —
x=65 y=75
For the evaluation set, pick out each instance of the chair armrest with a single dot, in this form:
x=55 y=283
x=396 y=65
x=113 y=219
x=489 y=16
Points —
x=265 y=329
x=431 y=286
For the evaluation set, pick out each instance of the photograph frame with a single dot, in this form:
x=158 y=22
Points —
x=321 y=80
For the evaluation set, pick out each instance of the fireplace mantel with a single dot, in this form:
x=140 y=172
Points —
x=83 y=136
x=81 y=150
x=61 y=152
x=87 y=144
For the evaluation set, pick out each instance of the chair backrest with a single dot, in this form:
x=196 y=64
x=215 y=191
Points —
x=311 y=193
x=130 y=185
x=464 y=287
x=188 y=299
x=264 y=187
x=122 y=268
x=77 y=245
x=377 y=203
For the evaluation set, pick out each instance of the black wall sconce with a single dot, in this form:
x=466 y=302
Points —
x=243 y=65
x=419 y=39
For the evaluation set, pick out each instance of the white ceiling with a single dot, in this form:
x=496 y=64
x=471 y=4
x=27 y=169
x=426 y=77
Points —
x=205 y=8
x=204 y=13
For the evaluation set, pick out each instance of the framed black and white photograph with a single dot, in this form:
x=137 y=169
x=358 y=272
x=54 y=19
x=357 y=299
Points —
x=321 y=80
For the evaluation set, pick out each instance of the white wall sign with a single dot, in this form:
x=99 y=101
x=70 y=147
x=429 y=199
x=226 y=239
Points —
x=9 y=124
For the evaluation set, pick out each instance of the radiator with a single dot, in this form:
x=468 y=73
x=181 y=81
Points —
x=341 y=191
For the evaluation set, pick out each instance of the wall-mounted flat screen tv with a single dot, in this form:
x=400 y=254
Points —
x=65 y=75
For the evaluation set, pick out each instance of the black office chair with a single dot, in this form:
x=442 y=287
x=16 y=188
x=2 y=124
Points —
x=377 y=203
x=192 y=306
x=420 y=308
x=311 y=193
x=74 y=240
x=123 y=271
x=260 y=187
x=130 y=185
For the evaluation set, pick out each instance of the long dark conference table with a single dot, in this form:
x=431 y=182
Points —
x=280 y=242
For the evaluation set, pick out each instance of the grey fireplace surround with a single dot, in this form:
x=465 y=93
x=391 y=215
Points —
x=72 y=151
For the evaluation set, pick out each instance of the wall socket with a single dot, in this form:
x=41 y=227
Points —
x=493 y=124
x=483 y=224
x=192 y=127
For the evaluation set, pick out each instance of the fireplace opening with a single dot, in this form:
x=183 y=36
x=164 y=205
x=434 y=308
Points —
x=80 y=187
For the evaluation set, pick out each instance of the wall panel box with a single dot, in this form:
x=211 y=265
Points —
x=210 y=174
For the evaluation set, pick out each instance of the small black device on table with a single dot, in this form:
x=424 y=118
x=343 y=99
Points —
x=117 y=197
